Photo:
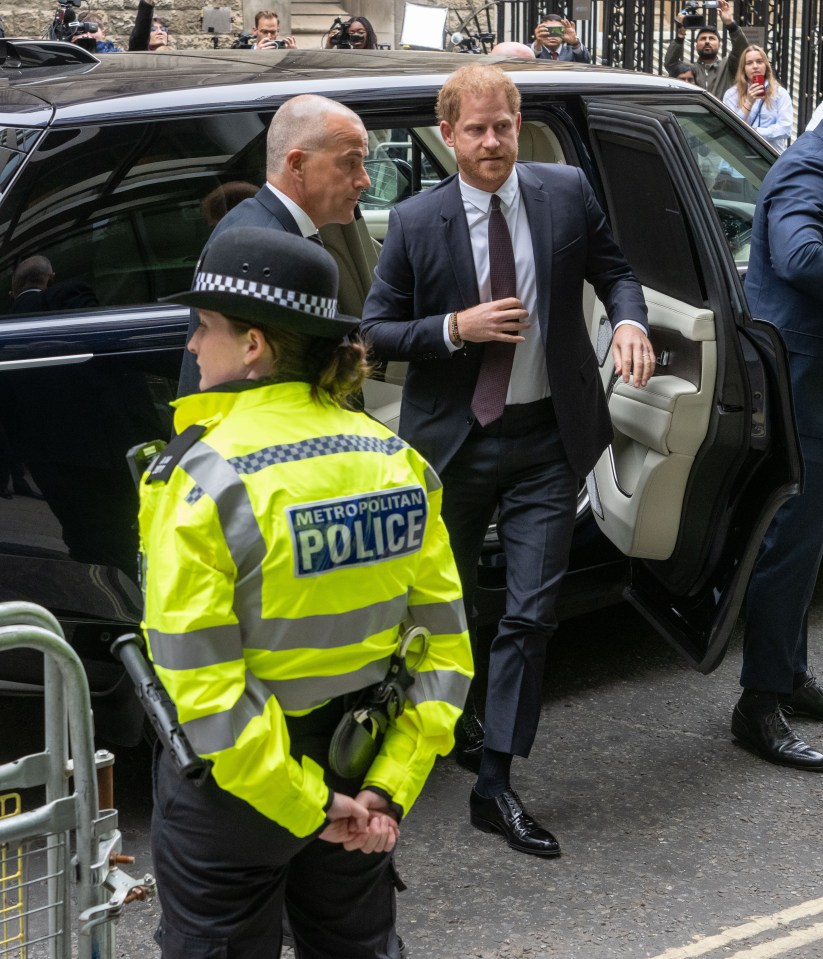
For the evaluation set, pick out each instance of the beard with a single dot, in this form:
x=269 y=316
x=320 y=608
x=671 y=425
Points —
x=484 y=173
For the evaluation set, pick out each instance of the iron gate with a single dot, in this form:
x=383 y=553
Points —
x=634 y=34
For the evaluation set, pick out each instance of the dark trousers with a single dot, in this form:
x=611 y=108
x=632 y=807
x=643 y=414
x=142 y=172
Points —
x=782 y=585
x=225 y=873
x=518 y=466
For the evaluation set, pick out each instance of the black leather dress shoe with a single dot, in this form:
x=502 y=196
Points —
x=468 y=742
x=505 y=814
x=770 y=736
x=806 y=700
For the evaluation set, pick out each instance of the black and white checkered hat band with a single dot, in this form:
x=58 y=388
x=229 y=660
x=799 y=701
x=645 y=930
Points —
x=321 y=306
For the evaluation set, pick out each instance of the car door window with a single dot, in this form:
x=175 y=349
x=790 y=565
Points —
x=732 y=169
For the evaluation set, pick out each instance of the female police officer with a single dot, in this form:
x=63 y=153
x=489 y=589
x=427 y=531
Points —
x=287 y=542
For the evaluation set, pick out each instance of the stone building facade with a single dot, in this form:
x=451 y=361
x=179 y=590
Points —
x=307 y=20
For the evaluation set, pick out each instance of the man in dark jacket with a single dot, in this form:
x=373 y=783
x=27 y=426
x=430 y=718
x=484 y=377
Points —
x=783 y=285
x=714 y=73
x=314 y=176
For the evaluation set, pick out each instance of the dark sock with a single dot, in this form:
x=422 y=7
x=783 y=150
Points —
x=755 y=702
x=493 y=778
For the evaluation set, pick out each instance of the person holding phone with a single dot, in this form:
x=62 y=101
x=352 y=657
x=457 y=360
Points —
x=759 y=99
x=555 y=38
x=714 y=73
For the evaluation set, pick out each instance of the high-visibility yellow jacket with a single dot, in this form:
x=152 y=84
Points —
x=282 y=557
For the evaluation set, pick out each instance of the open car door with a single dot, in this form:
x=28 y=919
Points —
x=706 y=453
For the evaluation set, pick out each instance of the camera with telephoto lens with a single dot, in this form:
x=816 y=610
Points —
x=340 y=36
x=65 y=24
x=693 y=19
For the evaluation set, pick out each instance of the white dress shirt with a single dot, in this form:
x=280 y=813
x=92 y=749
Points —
x=303 y=220
x=529 y=377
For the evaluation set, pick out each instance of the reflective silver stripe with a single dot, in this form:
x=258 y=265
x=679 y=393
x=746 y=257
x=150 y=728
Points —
x=312 y=691
x=440 y=618
x=222 y=644
x=327 y=631
x=211 y=734
x=241 y=530
x=432 y=480
x=200 y=647
x=440 y=685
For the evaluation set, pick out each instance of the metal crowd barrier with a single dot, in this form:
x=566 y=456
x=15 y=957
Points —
x=60 y=886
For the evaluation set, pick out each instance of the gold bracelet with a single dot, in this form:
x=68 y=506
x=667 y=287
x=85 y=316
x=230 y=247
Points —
x=454 y=332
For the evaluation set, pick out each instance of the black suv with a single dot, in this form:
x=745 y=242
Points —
x=116 y=170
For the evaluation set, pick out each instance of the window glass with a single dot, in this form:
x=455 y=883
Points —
x=15 y=143
x=732 y=169
x=124 y=211
x=648 y=218
x=400 y=164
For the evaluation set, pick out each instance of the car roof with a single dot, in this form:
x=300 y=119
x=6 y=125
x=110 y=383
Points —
x=134 y=84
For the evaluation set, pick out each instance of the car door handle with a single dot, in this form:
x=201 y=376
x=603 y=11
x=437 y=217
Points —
x=33 y=362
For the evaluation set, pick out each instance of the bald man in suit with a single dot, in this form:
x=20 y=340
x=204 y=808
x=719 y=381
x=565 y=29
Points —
x=314 y=176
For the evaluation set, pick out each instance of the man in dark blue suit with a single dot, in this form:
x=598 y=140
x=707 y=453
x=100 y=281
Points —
x=437 y=302
x=314 y=176
x=555 y=38
x=784 y=285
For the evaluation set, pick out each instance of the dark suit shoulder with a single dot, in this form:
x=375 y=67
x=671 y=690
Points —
x=264 y=209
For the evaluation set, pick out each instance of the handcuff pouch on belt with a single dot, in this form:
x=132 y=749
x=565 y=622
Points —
x=359 y=733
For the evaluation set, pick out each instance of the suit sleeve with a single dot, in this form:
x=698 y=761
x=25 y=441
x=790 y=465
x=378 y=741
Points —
x=389 y=326
x=796 y=241
x=581 y=55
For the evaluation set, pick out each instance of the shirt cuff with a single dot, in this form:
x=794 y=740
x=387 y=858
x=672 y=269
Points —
x=640 y=326
x=446 y=338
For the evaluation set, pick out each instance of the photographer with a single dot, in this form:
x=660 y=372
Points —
x=354 y=34
x=266 y=33
x=714 y=73
x=556 y=39
x=95 y=41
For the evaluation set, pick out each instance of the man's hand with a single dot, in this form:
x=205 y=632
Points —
x=570 y=33
x=541 y=35
x=500 y=320
x=270 y=43
x=632 y=352
x=348 y=821
x=726 y=13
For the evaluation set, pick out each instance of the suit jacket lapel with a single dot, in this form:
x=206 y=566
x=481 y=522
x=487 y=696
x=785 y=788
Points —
x=538 y=210
x=278 y=210
x=458 y=244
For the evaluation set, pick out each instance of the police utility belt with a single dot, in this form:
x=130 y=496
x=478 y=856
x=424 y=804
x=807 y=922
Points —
x=359 y=734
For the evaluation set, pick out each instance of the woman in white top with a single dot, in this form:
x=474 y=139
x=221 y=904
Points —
x=759 y=99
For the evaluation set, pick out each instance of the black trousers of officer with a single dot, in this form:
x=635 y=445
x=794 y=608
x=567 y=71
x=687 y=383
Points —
x=225 y=872
x=516 y=464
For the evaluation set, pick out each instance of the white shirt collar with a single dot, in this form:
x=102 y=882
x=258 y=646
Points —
x=303 y=220
x=482 y=199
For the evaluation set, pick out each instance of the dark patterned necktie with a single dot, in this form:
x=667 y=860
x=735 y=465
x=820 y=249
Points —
x=495 y=369
x=316 y=238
